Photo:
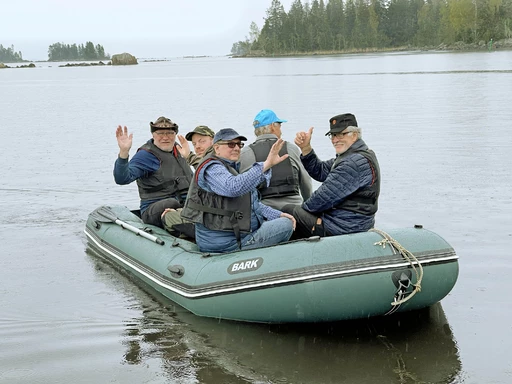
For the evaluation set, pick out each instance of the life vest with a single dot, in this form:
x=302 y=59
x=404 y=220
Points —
x=364 y=200
x=172 y=179
x=215 y=212
x=285 y=178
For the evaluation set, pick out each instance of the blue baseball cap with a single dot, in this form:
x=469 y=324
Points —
x=226 y=134
x=266 y=117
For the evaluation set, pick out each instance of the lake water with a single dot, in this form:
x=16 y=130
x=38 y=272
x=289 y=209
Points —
x=440 y=124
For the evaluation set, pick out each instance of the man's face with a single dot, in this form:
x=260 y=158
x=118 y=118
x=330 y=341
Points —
x=223 y=149
x=164 y=139
x=201 y=143
x=342 y=141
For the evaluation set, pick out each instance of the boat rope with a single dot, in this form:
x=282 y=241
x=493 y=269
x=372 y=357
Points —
x=408 y=256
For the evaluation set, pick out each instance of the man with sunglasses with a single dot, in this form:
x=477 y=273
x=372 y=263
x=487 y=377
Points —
x=347 y=199
x=225 y=205
x=290 y=183
x=162 y=174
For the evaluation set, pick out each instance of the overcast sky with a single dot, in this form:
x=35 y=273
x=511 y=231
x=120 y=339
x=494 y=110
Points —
x=145 y=28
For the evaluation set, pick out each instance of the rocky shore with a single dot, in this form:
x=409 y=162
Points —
x=31 y=65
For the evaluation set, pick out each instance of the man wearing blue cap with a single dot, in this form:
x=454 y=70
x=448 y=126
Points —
x=347 y=199
x=290 y=183
x=225 y=205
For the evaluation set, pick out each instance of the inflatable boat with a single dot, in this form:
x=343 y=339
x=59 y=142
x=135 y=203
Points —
x=316 y=279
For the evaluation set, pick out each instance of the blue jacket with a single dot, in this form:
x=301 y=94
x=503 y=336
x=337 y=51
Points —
x=352 y=173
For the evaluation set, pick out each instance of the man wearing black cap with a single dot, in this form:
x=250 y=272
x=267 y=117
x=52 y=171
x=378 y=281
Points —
x=224 y=204
x=347 y=199
x=162 y=174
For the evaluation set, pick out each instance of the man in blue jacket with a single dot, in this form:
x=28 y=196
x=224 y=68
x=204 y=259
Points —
x=347 y=199
x=225 y=205
x=162 y=174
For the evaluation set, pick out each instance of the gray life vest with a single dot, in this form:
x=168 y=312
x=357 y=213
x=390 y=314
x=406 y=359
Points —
x=364 y=200
x=215 y=212
x=172 y=179
x=285 y=178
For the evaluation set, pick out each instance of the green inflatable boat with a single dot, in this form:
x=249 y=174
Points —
x=335 y=278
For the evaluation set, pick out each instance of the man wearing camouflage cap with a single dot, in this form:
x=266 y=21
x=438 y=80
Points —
x=347 y=199
x=162 y=174
x=202 y=141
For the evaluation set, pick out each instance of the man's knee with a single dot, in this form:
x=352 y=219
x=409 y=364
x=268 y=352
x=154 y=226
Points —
x=289 y=208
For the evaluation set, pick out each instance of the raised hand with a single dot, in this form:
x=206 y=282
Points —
x=124 y=141
x=303 y=141
x=184 y=147
x=273 y=157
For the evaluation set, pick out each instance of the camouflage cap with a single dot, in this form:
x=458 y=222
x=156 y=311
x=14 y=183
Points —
x=200 y=129
x=163 y=123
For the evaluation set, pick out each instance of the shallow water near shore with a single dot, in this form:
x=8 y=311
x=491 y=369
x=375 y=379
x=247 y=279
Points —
x=440 y=125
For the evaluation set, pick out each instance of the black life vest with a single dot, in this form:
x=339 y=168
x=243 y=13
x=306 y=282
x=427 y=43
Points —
x=285 y=178
x=215 y=212
x=172 y=179
x=364 y=200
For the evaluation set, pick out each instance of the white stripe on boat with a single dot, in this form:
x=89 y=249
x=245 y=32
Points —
x=248 y=286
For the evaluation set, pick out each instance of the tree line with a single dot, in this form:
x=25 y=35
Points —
x=89 y=51
x=9 y=55
x=345 y=25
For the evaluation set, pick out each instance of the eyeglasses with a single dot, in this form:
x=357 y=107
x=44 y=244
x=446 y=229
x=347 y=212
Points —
x=337 y=134
x=169 y=133
x=232 y=144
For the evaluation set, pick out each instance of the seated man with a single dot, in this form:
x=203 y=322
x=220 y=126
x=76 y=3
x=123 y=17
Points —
x=162 y=174
x=347 y=199
x=224 y=204
x=290 y=183
x=202 y=139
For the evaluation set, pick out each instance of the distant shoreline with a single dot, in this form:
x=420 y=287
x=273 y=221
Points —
x=500 y=45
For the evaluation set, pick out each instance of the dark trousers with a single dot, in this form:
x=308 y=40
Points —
x=306 y=222
x=152 y=215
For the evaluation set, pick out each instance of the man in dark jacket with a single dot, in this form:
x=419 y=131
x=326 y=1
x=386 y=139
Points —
x=162 y=174
x=347 y=199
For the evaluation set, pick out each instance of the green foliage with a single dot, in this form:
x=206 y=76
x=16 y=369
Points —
x=9 y=55
x=62 y=52
x=336 y=25
x=245 y=47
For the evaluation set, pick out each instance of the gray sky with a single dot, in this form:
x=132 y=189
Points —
x=145 y=28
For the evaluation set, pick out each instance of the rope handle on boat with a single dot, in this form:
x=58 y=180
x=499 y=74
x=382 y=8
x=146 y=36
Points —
x=408 y=256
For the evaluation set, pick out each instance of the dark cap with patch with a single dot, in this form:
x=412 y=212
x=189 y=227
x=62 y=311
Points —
x=339 y=123
x=163 y=123
x=201 y=130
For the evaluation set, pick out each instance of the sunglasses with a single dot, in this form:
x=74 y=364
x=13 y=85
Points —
x=232 y=144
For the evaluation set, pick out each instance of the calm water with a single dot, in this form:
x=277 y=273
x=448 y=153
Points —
x=440 y=124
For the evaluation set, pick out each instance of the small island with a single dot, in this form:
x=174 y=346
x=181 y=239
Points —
x=321 y=27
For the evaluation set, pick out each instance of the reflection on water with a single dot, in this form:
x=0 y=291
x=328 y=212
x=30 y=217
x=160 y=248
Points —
x=416 y=347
